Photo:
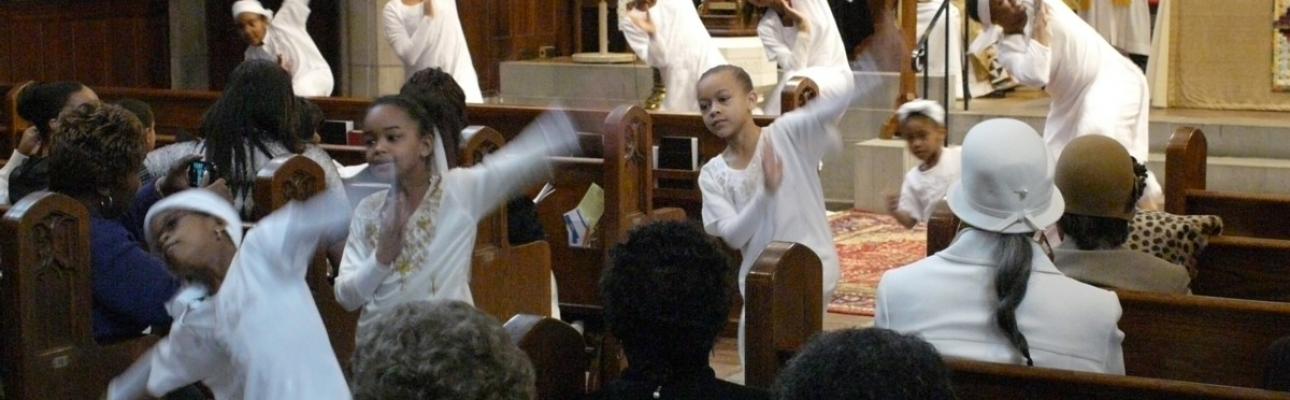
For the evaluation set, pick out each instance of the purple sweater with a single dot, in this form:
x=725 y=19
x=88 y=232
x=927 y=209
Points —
x=131 y=285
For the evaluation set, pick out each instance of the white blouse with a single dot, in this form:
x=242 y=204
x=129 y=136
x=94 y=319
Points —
x=439 y=42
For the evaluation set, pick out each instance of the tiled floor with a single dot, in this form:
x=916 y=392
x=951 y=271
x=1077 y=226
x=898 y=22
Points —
x=725 y=358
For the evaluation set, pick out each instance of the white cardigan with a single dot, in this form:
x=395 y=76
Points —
x=948 y=299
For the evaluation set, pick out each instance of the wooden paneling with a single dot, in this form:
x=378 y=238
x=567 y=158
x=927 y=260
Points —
x=108 y=42
x=507 y=30
x=226 y=46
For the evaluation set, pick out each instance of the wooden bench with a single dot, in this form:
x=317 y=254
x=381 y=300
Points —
x=557 y=352
x=975 y=380
x=1251 y=259
x=785 y=307
x=47 y=347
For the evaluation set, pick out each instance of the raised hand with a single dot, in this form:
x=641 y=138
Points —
x=30 y=143
x=389 y=241
x=641 y=19
x=176 y=179
x=772 y=167
x=794 y=16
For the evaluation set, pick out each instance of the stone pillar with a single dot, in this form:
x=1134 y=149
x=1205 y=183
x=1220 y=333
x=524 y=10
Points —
x=189 y=56
x=371 y=67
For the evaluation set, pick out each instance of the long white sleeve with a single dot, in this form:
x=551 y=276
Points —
x=812 y=130
x=1027 y=60
x=720 y=218
x=769 y=30
x=290 y=235
x=15 y=160
x=519 y=164
x=360 y=274
x=637 y=39
x=293 y=12
x=404 y=40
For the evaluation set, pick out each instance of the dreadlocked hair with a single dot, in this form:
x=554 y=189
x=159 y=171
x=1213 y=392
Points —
x=1010 y=281
x=256 y=109
x=445 y=104
x=426 y=127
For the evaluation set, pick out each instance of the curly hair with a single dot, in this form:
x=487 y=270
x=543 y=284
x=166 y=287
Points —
x=445 y=103
x=861 y=364
x=439 y=350
x=97 y=146
x=667 y=296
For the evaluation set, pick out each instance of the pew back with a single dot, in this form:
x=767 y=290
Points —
x=989 y=381
x=784 y=308
x=1244 y=214
x=557 y=352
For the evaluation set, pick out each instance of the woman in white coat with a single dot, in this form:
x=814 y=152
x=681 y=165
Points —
x=285 y=41
x=428 y=34
x=1095 y=90
x=803 y=38
x=994 y=295
x=668 y=35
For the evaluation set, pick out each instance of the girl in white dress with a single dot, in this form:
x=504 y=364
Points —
x=758 y=191
x=285 y=41
x=803 y=38
x=668 y=35
x=414 y=241
x=427 y=34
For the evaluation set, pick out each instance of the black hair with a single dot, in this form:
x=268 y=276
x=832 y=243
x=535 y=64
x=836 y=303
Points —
x=41 y=102
x=741 y=76
x=140 y=110
x=444 y=102
x=310 y=120
x=1010 y=282
x=666 y=297
x=97 y=147
x=863 y=364
x=425 y=123
x=1094 y=233
x=256 y=109
x=972 y=9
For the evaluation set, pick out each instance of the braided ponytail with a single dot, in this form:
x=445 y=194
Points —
x=1010 y=280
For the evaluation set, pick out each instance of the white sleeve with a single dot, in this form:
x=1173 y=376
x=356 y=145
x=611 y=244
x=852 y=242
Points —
x=16 y=159
x=881 y=318
x=404 y=42
x=360 y=275
x=335 y=186
x=1115 y=346
x=292 y=234
x=520 y=163
x=184 y=357
x=768 y=30
x=637 y=39
x=720 y=219
x=293 y=13
x=812 y=130
x=1027 y=60
x=910 y=202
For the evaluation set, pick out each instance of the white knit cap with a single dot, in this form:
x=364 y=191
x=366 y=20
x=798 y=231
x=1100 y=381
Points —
x=928 y=108
x=250 y=6
x=1007 y=182
x=199 y=200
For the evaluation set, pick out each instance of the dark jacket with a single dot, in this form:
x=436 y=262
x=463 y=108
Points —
x=699 y=385
x=131 y=285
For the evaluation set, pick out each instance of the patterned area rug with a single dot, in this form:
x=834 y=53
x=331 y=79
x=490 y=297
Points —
x=869 y=244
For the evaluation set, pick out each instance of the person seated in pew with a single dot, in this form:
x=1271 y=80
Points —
x=922 y=125
x=246 y=324
x=1101 y=184
x=993 y=295
x=440 y=350
x=284 y=41
x=94 y=157
x=27 y=170
x=865 y=364
x=666 y=297
x=253 y=121
x=766 y=186
x=143 y=112
x=415 y=240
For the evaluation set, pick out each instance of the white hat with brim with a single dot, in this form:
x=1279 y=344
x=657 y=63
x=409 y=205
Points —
x=1007 y=181
x=199 y=200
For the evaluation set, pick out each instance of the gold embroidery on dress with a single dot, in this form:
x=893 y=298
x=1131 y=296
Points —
x=418 y=234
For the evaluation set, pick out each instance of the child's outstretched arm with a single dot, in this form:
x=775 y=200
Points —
x=293 y=12
x=180 y=359
x=517 y=165
x=812 y=130
x=291 y=234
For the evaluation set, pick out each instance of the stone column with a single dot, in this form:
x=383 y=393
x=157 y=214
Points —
x=189 y=56
x=372 y=68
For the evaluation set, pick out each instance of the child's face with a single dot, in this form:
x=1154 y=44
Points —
x=190 y=240
x=150 y=138
x=395 y=146
x=725 y=105
x=252 y=26
x=923 y=137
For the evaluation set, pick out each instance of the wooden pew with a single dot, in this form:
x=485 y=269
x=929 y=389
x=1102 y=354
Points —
x=47 y=349
x=784 y=308
x=557 y=352
x=976 y=380
x=1251 y=259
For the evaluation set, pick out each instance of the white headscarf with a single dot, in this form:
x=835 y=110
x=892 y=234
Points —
x=199 y=200
x=440 y=156
x=250 y=6
x=929 y=108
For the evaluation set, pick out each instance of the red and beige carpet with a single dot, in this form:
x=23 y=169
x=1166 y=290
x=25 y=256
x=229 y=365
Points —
x=868 y=245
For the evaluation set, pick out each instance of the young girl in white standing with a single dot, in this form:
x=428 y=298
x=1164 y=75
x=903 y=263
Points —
x=414 y=241
x=668 y=35
x=758 y=191
x=283 y=39
x=802 y=37
x=428 y=34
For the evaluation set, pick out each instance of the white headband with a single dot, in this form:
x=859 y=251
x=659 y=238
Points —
x=929 y=108
x=250 y=6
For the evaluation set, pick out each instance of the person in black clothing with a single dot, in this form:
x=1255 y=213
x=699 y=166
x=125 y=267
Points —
x=666 y=297
x=865 y=364
x=40 y=104
x=440 y=95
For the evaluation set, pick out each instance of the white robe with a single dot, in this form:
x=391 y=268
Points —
x=260 y=336
x=286 y=37
x=1126 y=28
x=1094 y=89
x=422 y=42
x=681 y=49
x=438 y=244
x=818 y=54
